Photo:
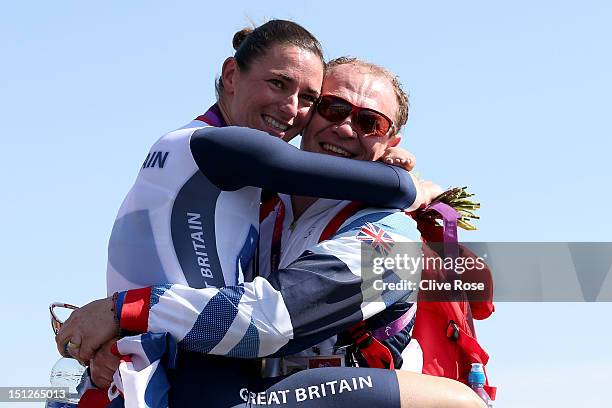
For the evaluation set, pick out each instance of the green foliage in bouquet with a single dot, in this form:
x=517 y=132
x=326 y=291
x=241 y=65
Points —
x=459 y=199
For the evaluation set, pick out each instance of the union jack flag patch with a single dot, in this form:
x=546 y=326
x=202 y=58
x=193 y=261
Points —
x=376 y=237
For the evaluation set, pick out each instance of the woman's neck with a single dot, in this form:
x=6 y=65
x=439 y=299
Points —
x=225 y=112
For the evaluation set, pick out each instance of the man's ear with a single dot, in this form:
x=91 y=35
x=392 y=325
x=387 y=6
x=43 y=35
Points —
x=228 y=74
x=395 y=140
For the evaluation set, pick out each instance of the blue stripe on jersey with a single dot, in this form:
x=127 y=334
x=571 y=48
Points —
x=214 y=321
x=314 y=321
x=396 y=222
x=194 y=234
x=248 y=347
x=157 y=292
x=119 y=304
x=246 y=253
x=156 y=345
x=156 y=393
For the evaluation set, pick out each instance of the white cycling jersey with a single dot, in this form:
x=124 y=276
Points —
x=176 y=226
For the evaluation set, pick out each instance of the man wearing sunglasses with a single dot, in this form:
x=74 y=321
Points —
x=353 y=119
x=355 y=110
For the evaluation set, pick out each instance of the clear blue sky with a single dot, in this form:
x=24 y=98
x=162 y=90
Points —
x=512 y=99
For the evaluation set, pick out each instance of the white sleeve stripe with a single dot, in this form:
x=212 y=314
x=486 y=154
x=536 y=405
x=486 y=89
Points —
x=178 y=309
x=347 y=249
x=269 y=315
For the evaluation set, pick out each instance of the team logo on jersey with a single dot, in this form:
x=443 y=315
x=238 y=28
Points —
x=376 y=237
x=155 y=159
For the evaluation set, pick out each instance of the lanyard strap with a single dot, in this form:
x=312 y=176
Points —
x=396 y=326
x=449 y=219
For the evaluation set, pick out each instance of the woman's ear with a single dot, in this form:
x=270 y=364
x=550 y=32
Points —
x=228 y=75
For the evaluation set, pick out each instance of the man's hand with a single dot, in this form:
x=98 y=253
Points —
x=103 y=365
x=87 y=329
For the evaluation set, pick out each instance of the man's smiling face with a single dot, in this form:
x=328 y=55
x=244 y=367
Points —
x=362 y=88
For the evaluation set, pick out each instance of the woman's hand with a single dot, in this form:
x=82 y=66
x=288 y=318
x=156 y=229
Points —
x=87 y=329
x=399 y=157
x=430 y=191
x=427 y=191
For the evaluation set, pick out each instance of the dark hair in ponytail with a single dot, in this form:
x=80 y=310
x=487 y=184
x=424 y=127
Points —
x=251 y=44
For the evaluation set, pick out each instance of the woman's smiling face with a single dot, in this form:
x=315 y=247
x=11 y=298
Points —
x=276 y=93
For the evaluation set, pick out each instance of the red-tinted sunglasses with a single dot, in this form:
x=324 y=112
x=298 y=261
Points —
x=369 y=121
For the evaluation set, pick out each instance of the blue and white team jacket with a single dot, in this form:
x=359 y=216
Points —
x=372 y=227
x=301 y=304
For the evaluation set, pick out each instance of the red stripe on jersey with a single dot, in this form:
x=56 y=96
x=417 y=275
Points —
x=115 y=350
x=267 y=207
x=135 y=310
x=339 y=219
x=94 y=398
